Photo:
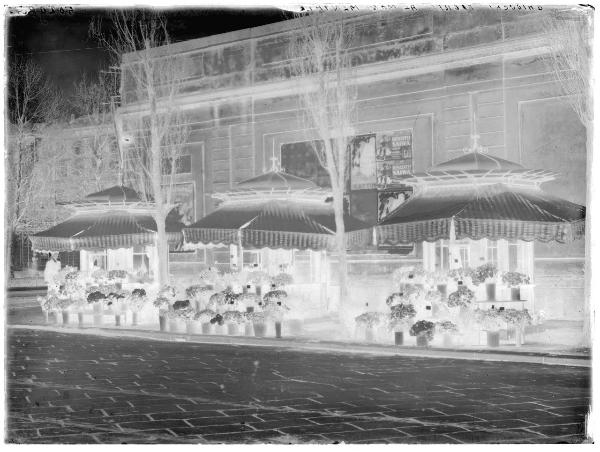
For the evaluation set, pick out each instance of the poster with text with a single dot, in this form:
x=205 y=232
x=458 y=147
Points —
x=362 y=162
x=393 y=157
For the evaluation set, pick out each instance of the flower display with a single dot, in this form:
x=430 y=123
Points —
x=218 y=319
x=446 y=326
x=182 y=309
x=433 y=296
x=234 y=317
x=423 y=328
x=167 y=292
x=99 y=275
x=256 y=317
x=480 y=274
x=162 y=303
x=489 y=319
x=282 y=279
x=205 y=316
x=54 y=302
x=515 y=279
x=117 y=274
x=140 y=292
x=217 y=299
x=116 y=297
x=275 y=295
x=258 y=278
x=249 y=298
x=401 y=314
x=462 y=297
x=459 y=274
x=516 y=317
x=95 y=297
x=413 y=275
x=370 y=319
x=136 y=300
x=197 y=292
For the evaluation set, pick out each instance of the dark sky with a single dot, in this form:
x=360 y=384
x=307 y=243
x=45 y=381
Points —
x=61 y=45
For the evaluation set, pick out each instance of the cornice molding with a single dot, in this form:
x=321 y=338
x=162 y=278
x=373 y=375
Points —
x=516 y=48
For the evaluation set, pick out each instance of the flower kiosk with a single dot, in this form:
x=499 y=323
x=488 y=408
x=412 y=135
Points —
x=115 y=234
x=279 y=230
x=477 y=217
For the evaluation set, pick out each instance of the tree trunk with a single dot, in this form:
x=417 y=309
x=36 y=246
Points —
x=340 y=240
x=162 y=247
x=9 y=234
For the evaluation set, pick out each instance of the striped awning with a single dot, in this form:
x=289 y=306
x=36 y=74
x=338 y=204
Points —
x=276 y=224
x=493 y=212
x=103 y=230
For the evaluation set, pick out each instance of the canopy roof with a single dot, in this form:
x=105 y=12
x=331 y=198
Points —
x=275 y=224
x=276 y=180
x=493 y=211
x=104 y=230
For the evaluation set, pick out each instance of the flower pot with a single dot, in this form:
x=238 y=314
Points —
x=399 y=338
x=57 y=318
x=250 y=309
x=369 y=335
x=490 y=290
x=117 y=319
x=422 y=341
x=206 y=328
x=258 y=290
x=278 y=330
x=80 y=319
x=245 y=289
x=493 y=338
x=260 y=329
x=519 y=337
x=294 y=326
x=119 y=285
x=443 y=289
x=232 y=329
x=515 y=293
x=47 y=317
x=65 y=317
x=134 y=318
x=189 y=327
x=162 y=322
x=176 y=326
x=248 y=329
x=98 y=314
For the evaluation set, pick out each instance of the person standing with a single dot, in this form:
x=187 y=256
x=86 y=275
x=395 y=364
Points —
x=52 y=268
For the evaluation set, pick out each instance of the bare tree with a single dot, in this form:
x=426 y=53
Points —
x=320 y=58
x=32 y=103
x=569 y=36
x=159 y=132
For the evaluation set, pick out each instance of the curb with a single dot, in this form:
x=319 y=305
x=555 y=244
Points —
x=324 y=347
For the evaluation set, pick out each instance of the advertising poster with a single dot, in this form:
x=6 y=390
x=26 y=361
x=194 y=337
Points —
x=183 y=198
x=362 y=162
x=393 y=156
x=390 y=200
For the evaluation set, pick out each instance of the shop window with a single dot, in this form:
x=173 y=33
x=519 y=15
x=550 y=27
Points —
x=252 y=259
x=183 y=165
x=492 y=252
x=97 y=259
x=442 y=254
x=141 y=263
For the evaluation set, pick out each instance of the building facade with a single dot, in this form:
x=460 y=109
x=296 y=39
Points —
x=427 y=81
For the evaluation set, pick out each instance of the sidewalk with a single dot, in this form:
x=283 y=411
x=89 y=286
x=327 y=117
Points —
x=26 y=314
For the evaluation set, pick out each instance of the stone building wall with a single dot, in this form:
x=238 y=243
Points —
x=416 y=71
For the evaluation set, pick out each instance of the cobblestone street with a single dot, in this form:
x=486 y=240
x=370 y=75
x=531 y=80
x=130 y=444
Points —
x=66 y=388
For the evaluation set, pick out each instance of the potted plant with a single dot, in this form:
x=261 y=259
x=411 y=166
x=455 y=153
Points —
x=423 y=330
x=460 y=275
x=198 y=293
x=282 y=280
x=115 y=301
x=258 y=279
x=182 y=312
x=448 y=330
x=163 y=305
x=432 y=299
x=217 y=301
x=275 y=308
x=248 y=301
x=439 y=280
x=485 y=274
x=460 y=300
x=218 y=322
x=515 y=280
x=233 y=319
x=518 y=320
x=136 y=302
x=204 y=317
x=491 y=322
x=96 y=299
x=400 y=316
x=370 y=320
x=259 y=324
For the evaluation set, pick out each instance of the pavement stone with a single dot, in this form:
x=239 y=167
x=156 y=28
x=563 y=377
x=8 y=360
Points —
x=134 y=391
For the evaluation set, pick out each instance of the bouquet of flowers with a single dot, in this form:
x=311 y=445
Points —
x=256 y=317
x=275 y=295
x=516 y=317
x=401 y=314
x=275 y=309
x=489 y=319
x=460 y=274
x=370 y=319
x=432 y=297
x=514 y=279
x=137 y=299
x=117 y=274
x=282 y=279
x=217 y=299
x=99 y=275
x=95 y=297
x=116 y=297
x=182 y=309
x=162 y=303
x=197 y=292
x=480 y=274
x=446 y=326
x=205 y=316
x=54 y=302
x=248 y=298
x=234 y=317
x=218 y=319
x=258 y=278
x=423 y=328
x=412 y=275
x=463 y=297
x=167 y=292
